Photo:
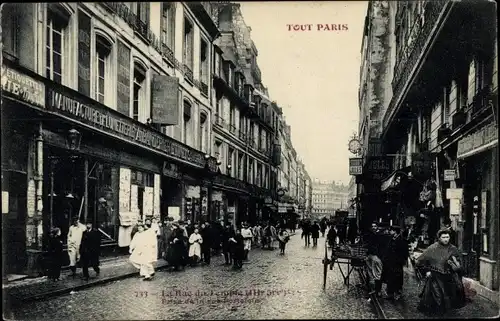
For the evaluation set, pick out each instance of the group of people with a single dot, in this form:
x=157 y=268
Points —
x=337 y=233
x=84 y=245
x=439 y=265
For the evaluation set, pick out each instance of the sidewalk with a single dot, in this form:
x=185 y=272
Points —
x=478 y=307
x=35 y=289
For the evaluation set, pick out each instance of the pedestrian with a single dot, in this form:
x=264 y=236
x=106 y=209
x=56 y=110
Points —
x=315 y=228
x=55 y=254
x=323 y=226
x=75 y=234
x=453 y=234
x=306 y=233
x=238 y=250
x=165 y=232
x=206 y=244
x=331 y=236
x=395 y=257
x=186 y=232
x=373 y=262
x=142 y=252
x=283 y=238
x=441 y=263
x=246 y=232
x=341 y=232
x=216 y=234
x=90 y=249
x=227 y=246
x=195 y=247
x=177 y=247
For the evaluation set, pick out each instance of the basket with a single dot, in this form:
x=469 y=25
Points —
x=358 y=251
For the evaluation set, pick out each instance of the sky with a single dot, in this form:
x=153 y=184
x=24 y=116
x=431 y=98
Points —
x=313 y=75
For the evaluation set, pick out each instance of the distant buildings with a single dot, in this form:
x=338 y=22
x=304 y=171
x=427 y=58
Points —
x=327 y=197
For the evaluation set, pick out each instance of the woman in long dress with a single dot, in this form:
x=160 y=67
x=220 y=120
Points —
x=143 y=249
x=441 y=265
x=195 y=241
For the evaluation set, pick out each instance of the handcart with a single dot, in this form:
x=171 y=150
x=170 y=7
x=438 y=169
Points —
x=352 y=256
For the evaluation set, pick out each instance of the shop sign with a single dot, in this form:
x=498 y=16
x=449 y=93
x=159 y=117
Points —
x=477 y=141
x=23 y=87
x=422 y=164
x=377 y=168
x=454 y=193
x=355 y=166
x=114 y=123
x=449 y=175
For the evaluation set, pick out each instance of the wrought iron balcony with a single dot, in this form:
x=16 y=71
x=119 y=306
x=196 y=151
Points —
x=204 y=88
x=188 y=73
x=410 y=53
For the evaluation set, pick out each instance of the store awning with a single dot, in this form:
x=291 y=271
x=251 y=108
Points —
x=394 y=179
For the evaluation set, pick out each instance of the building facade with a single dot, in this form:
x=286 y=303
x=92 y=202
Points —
x=116 y=112
x=438 y=130
x=244 y=121
x=327 y=197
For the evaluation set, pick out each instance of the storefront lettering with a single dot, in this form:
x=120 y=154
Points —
x=23 y=87
x=124 y=127
x=478 y=139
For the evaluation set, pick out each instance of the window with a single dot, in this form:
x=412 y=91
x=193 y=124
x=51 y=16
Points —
x=188 y=43
x=168 y=25
x=187 y=123
x=217 y=148
x=139 y=91
x=203 y=132
x=103 y=51
x=54 y=48
x=10 y=27
x=230 y=161
x=250 y=172
x=240 y=166
x=445 y=115
x=232 y=116
x=204 y=54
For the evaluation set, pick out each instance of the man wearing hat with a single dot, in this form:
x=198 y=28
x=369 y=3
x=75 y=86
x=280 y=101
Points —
x=394 y=257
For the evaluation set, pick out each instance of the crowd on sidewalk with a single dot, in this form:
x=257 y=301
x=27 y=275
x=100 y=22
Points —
x=179 y=243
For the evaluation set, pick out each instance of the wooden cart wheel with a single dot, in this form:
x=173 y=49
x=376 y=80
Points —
x=325 y=265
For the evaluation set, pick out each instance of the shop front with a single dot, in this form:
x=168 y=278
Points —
x=477 y=154
x=81 y=159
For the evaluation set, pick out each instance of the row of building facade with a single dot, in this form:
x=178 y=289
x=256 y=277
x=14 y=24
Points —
x=428 y=101
x=114 y=112
x=328 y=197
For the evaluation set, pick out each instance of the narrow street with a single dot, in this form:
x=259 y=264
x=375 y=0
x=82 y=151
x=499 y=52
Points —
x=283 y=287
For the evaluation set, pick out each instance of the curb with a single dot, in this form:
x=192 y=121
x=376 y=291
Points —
x=17 y=301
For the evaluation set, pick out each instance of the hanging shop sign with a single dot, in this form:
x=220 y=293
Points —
x=449 y=175
x=355 y=166
x=422 y=164
x=171 y=170
x=377 y=168
x=477 y=142
x=22 y=87
x=116 y=124
x=454 y=193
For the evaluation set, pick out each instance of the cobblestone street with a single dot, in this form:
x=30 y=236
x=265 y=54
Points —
x=287 y=286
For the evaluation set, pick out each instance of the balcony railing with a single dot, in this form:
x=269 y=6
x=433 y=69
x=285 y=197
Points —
x=410 y=54
x=188 y=73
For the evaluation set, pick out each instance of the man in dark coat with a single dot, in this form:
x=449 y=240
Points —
x=315 y=228
x=331 y=236
x=238 y=250
x=176 y=241
x=228 y=234
x=394 y=258
x=341 y=231
x=323 y=226
x=373 y=261
x=90 y=249
x=306 y=232
x=206 y=246
x=352 y=232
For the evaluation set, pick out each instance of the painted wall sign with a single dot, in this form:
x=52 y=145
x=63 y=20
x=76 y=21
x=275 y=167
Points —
x=84 y=25
x=377 y=168
x=454 y=193
x=23 y=87
x=123 y=80
x=477 y=141
x=122 y=126
x=165 y=100
x=422 y=164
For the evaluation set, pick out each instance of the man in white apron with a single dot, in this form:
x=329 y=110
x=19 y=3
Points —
x=74 y=240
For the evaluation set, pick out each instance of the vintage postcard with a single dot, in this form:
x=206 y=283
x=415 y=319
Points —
x=249 y=160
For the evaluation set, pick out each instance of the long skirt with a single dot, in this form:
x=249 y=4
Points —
x=441 y=292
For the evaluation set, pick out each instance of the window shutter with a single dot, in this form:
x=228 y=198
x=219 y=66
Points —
x=472 y=82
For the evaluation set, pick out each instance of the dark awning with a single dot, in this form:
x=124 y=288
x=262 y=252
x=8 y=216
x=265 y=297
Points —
x=394 y=179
